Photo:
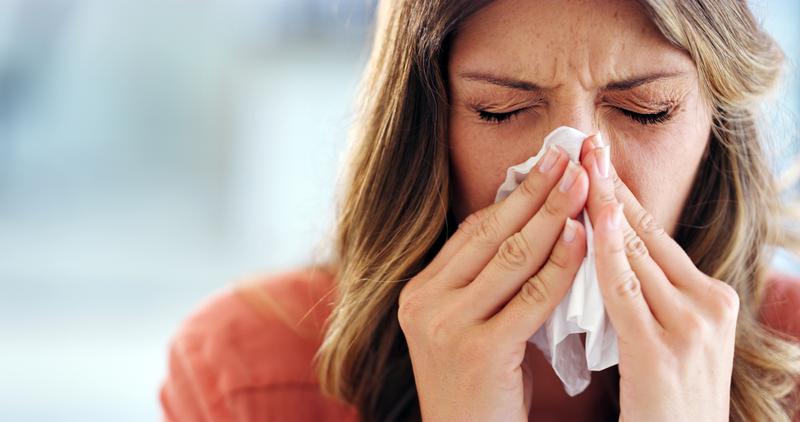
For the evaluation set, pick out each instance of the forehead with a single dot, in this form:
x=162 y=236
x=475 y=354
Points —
x=553 y=41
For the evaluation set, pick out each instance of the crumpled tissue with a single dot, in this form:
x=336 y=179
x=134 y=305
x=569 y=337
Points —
x=581 y=310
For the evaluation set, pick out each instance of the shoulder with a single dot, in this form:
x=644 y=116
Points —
x=249 y=349
x=780 y=308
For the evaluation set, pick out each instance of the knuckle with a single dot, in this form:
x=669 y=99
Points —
x=612 y=248
x=550 y=209
x=529 y=187
x=694 y=326
x=415 y=283
x=558 y=262
x=726 y=301
x=535 y=291
x=488 y=229
x=608 y=196
x=513 y=252
x=646 y=223
x=471 y=222
x=412 y=309
x=408 y=310
x=634 y=246
x=626 y=285
x=403 y=296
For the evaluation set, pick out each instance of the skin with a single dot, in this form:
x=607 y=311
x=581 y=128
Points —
x=572 y=50
x=467 y=316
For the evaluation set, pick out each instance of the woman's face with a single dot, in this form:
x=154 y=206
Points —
x=519 y=69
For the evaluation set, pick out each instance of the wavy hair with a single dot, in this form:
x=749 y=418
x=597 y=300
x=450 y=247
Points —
x=394 y=213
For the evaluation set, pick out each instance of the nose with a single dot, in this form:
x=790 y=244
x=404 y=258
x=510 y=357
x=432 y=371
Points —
x=576 y=112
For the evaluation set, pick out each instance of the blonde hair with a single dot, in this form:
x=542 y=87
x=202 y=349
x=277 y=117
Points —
x=394 y=215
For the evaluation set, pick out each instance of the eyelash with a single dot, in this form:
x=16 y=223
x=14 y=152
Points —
x=641 y=118
x=648 y=119
x=498 y=117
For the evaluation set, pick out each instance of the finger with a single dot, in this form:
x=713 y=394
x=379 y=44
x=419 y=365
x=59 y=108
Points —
x=665 y=251
x=589 y=145
x=456 y=241
x=486 y=235
x=621 y=289
x=451 y=246
x=662 y=296
x=677 y=265
x=538 y=296
x=524 y=252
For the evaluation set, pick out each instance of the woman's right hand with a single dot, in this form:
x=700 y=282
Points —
x=468 y=315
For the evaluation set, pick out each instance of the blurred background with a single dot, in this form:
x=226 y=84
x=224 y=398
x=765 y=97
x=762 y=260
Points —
x=154 y=152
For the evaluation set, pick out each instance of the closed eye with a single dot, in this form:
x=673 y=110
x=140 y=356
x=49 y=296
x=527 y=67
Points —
x=641 y=118
x=648 y=119
x=497 y=117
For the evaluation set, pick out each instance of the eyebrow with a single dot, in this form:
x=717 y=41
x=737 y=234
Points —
x=640 y=80
x=501 y=81
x=521 y=85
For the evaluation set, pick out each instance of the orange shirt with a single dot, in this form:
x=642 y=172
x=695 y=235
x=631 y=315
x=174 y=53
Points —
x=238 y=361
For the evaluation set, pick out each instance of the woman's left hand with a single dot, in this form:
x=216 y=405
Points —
x=676 y=326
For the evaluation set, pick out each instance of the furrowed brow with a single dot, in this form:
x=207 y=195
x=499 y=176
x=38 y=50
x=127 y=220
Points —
x=637 y=81
x=503 y=81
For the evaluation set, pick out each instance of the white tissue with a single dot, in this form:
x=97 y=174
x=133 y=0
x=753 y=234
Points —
x=581 y=310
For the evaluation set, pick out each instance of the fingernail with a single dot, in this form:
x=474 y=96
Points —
x=616 y=217
x=601 y=159
x=570 y=227
x=549 y=159
x=598 y=140
x=568 y=179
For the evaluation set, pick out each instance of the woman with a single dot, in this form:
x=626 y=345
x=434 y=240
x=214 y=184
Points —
x=414 y=318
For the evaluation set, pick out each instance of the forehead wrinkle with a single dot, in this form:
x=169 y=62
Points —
x=601 y=52
x=589 y=51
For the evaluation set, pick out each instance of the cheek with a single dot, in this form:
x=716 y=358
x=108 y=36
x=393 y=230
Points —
x=660 y=172
x=478 y=166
